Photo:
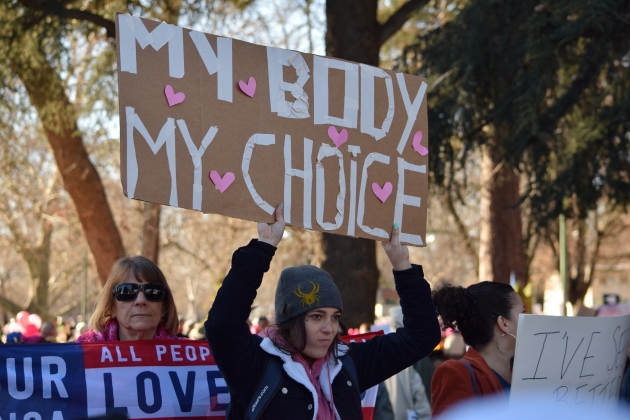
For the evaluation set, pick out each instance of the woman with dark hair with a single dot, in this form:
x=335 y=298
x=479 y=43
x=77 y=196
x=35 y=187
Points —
x=486 y=314
x=315 y=383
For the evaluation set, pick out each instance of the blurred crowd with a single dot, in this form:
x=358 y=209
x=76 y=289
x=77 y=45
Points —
x=30 y=329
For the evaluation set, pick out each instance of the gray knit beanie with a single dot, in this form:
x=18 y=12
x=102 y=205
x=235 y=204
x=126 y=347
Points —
x=302 y=289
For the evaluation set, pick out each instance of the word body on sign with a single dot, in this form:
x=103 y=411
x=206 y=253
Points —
x=570 y=361
x=223 y=126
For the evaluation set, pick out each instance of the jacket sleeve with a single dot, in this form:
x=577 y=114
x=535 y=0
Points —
x=382 y=357
x=451 y=384
x=234 y=348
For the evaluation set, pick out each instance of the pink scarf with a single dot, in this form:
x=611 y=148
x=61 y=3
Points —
x=110 y=333
x=324 y=410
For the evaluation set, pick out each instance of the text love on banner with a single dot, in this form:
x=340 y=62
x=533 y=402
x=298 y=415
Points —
x=224 y=126
x=570 y=361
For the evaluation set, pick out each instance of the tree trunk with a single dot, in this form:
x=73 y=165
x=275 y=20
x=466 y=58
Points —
x=151 y=232
x=352 y=32
x=38 y=261
x=507 y=248
x=485 y=233
x=352 y=35
x=80 y=178
x=352 y=264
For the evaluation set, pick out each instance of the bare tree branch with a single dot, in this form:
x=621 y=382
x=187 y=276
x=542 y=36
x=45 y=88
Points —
x=63 y=13
x=175 y=244
x=398 y=19
x=11 y=306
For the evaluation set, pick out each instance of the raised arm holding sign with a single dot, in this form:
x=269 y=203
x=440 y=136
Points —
x=319 y=374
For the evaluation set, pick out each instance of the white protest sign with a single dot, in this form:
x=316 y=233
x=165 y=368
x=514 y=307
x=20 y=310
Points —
x=569 y=361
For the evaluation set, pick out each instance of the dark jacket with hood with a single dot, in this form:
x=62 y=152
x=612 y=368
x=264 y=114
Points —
x=241 y=357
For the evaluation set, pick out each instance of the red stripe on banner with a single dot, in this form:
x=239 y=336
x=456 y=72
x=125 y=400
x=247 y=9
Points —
x=368 y=413
x=147 y=353
x=358 y=338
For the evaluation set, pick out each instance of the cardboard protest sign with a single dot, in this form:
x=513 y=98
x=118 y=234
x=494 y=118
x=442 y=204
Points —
x=570 y=361
x=223 y=126
x=157 y=379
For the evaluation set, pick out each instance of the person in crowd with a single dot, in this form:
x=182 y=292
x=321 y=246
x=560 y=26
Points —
x=135 y=304
x=15 y=337
x=425 y=369
x=79 y=329
x=305 y=338
x=405 y=389
x=486 y=314
x=383 y=409
x=49 y=332
x=198 y=332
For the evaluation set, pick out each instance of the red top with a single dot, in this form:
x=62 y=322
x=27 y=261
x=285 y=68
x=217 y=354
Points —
x=452 y=384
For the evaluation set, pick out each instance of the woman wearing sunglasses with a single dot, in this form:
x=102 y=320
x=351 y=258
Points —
x=135 y=304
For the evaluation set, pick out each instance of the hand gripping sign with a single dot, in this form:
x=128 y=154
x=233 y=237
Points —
x=223 y=126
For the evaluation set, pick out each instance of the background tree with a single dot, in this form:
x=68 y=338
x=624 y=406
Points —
x=354 y=33
x=528 y=86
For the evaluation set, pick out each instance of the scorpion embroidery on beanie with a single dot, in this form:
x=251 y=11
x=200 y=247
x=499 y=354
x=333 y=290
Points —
x=302 y=289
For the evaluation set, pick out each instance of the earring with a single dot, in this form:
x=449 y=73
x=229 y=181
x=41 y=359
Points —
x=497 y=343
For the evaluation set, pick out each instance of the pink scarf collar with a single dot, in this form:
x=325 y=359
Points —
x=325 y=410
x=110 y=333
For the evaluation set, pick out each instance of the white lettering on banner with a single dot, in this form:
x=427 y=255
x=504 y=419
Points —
x=160 y=350
x=566 y=361
x=133 y=355
x=161 y=391
x=190 y=352
x=49 y=378
x=29 y=383
x=120 y=357
x=106 y=355
x=175 y=353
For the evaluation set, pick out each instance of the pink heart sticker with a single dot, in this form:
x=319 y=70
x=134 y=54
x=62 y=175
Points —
x=248 y=88
x=382 y=193
x=173 y=98
x=222 y=183
x=338 y=138
x=417 y=139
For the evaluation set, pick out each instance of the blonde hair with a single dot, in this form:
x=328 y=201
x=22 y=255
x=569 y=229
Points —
x=143 y=269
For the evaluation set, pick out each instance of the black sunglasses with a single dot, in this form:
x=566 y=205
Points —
x=126 y=292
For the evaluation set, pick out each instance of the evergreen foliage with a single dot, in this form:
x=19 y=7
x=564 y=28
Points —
x=551 y=80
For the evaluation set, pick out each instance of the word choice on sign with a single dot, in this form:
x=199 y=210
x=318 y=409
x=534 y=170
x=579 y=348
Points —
x=223 y=126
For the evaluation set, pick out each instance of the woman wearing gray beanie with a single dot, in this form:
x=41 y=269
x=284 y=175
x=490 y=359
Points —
x=313 y=383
